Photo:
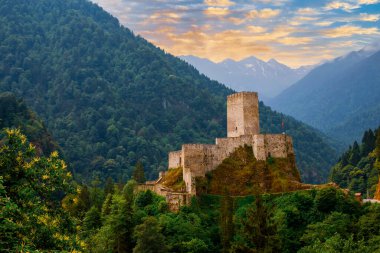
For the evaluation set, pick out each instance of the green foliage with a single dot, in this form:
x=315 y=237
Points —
x=241 y=174
x=148 y=237
x=138 y=173
x=357 y=169
x=226 y=222
x=31 y=188
x=15 y=114
x=111 y=99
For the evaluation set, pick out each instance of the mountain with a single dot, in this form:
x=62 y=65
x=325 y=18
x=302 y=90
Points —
x=340 y=97
x=15 y=114
x=250 y=74
x=358 y=167
x=112 y=99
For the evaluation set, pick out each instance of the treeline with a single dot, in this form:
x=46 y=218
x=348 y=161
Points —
x=358 y=168
x=43 y=210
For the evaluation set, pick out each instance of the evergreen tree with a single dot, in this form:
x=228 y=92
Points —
x=109 y=187
x=355 y=154
x=149 y=237
x=226 y=222
x=138 y=173
x=91 y=221
x=260 y=228
x=378 y=144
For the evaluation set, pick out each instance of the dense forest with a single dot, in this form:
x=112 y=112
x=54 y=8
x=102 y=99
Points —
x=111 y=99
x=358 y=168
x=15 y=114
x=43 y=210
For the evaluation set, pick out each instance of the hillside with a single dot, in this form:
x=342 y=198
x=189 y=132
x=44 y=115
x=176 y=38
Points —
x=358 y=167
x=15 y=114
x=112 y=99
x=250 y=74
x=340 y=97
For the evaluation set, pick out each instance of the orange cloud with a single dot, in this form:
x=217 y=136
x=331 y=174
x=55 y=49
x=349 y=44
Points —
x=341 y=5
x=219 y=3
x=164 y=17
x=216 y=11
x=256 y=29
x=347 y=31
x=295 y=40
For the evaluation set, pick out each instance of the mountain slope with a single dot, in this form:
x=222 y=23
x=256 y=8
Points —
x=250 y=74
x=340 y=97
x=111 y=98
x=15 y=114
x=358 y=167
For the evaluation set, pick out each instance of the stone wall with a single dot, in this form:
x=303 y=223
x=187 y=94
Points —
x=176 y=200
x=175 y=159
x=243 y=114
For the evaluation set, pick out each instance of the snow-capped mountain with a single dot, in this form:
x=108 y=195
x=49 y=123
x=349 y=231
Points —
x=250 y=74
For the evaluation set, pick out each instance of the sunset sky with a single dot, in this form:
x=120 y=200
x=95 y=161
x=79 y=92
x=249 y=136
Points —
x=295 y=32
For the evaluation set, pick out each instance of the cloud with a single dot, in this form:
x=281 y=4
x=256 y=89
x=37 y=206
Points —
x=216 y=11
x=367 y=2
x=307 y=11
x=256 y=29
x=219 y=3
x=164 y=17
x=341 y=5
x=264 y=13
x=295 y=40
x=324 y=23
x=369 y=17
x=349 y=30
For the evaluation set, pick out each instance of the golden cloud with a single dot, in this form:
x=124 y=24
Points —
x=341 y=5
x=307 y=11
x=219 y=3
x=216 y=11
x=347 y=31
x=256 y=29
x=368 y=2
x=264 y=13
x=291 y=41
x=324 y=23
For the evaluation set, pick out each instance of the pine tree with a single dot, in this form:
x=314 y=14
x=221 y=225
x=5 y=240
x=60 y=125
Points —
x=149 y=237
x=109 y=187
x=226 y=222
x=355 y=154
x=138 y=173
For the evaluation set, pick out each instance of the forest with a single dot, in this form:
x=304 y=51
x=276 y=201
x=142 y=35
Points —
x=42 y=209
x=358 y=167
x=110 y=98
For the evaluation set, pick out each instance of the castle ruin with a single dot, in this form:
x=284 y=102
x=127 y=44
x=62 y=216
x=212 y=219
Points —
x=243 y=128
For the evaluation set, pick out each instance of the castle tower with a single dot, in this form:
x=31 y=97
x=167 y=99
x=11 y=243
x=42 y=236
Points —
x=242 y=114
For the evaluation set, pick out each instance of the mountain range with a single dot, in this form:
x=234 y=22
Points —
x=251 y=74
x=340 y=97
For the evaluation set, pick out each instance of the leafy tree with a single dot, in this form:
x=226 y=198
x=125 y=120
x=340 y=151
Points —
x=31 y=188
x=149 y=238
x=226 y=222
x=138 y=173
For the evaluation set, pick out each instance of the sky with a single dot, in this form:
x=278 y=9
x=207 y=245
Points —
x=294 y=32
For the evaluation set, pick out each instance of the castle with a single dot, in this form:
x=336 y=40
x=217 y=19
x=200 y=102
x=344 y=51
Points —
x=243 y=128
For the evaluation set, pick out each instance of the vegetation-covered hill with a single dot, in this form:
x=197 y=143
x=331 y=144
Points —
x=341 y=97
x=111 y=98
x=241 y=174
x=15 y=114
x=358 y=168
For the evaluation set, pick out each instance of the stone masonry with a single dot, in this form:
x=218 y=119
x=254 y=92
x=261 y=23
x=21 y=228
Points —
x=242 y=129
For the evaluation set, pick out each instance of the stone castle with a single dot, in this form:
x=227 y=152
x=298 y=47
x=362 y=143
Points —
x=243 y=128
